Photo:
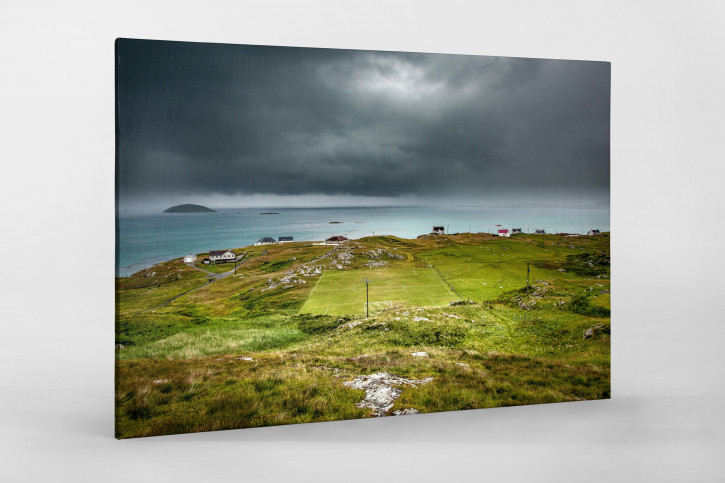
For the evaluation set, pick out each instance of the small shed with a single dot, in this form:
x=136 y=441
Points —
x=439 y=230
x=267 y=240
x=285 y=239
x=190 y=258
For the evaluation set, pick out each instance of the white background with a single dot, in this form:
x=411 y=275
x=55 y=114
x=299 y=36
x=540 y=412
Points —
x=665 y=420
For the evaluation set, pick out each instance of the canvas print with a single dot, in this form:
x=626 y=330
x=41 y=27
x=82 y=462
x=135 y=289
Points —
x=309 y=235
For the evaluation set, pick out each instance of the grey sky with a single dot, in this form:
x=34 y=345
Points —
x=233 y=122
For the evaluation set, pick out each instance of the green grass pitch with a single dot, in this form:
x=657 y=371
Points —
x=484 y=272
x=343 y=292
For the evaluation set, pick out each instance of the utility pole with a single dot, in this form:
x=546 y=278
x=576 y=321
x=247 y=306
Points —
x=367 y=297
x=527 y=277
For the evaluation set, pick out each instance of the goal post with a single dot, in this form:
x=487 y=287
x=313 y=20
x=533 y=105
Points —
x=377 y=306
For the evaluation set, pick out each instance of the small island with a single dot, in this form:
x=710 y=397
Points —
x=187 y=208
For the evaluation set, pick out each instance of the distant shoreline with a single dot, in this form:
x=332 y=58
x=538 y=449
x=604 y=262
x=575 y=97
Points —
x=140 y=266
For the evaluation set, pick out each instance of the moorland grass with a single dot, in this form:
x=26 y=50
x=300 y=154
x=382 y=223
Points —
x=183 y=367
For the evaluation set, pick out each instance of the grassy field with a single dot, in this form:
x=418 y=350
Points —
x=343 y=292
x=278 y=343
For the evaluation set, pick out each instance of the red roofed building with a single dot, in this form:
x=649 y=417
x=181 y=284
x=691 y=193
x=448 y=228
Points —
x=504 y=233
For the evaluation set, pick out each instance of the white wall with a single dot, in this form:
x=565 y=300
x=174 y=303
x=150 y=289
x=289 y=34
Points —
x=57 y=148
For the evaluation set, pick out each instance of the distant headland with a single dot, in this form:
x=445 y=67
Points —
x=189 y=209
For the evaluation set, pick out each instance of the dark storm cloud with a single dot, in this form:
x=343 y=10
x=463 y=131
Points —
x=209 y=118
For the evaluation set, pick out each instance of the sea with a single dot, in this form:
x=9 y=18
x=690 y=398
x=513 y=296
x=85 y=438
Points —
x=144 y=240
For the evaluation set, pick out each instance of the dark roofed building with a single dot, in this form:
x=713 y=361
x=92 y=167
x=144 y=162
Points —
x=221 y=255
x=593 y=232
x=265 y=241
x=516 y=231
x=439 y=230
x=540 y=231
x=336 y=239
x=285 y=239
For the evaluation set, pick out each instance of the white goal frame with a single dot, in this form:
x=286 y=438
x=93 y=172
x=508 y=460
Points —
x=378 y=306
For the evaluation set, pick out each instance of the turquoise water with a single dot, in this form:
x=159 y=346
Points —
x=149 y=239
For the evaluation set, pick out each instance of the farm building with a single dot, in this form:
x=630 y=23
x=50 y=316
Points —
x=516 y=231
x=439 y=230
x=593 y=232
x=540 y=231
x=265 y=241
x=504 y=232
x=285 y=239
x=190 y=258
x=221 y=256
x=335 y=240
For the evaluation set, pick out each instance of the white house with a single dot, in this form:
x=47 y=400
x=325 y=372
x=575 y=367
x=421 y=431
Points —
x=516 y=231
x=265 y=241
x=190 y=258
x=221 y=256
x=504 y=232
x=593 y=232
x=439 y=230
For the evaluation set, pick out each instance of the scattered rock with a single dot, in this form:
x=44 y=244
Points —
x=380 y=395
x=462 y=364
x=160 y=381
x=405 y=412
x=418 y=319
x=244 y=358
x=375 y=263
x=120 y=346
x=379 y=253
x=419 y=354
x=595 y=330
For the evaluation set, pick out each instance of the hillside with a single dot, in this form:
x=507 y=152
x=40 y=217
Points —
x=451 y=326
x=188 y=208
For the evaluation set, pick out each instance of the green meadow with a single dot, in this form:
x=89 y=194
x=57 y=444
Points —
x=281 y=341
x=342 y=292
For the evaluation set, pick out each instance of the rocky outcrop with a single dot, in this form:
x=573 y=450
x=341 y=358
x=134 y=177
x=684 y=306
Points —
x=596 y=330
x=381 y=390
x=379 y=253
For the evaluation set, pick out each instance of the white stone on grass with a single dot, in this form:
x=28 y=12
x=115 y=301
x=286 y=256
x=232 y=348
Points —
x=380 y=395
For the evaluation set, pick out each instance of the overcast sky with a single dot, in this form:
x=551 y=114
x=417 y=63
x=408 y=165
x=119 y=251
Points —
x=230 y=125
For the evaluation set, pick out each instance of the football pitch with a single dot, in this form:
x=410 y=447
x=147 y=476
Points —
x=343 y=292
